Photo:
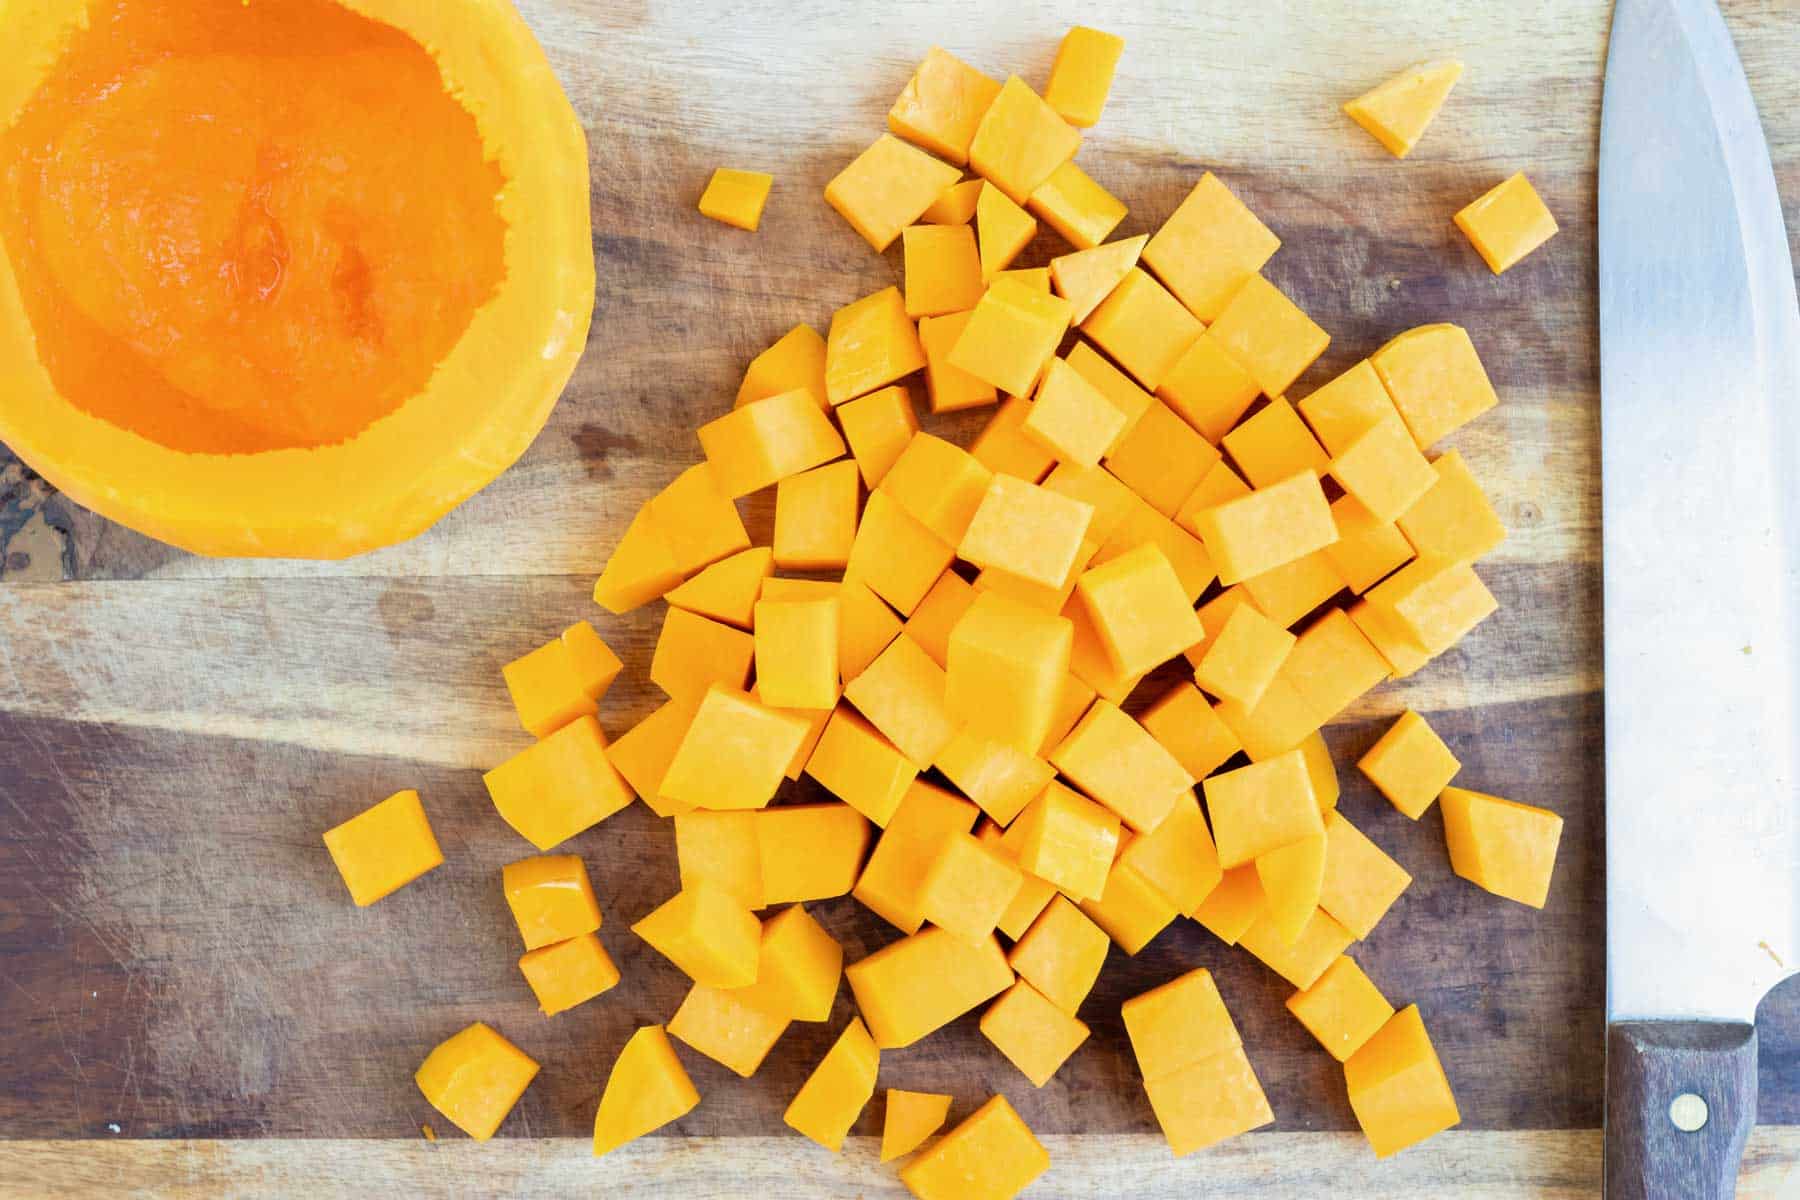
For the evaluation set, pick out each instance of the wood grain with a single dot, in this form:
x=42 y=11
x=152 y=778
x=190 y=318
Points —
x=177 y=959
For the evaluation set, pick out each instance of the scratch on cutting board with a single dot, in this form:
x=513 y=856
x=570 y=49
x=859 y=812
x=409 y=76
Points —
x=1770 y=951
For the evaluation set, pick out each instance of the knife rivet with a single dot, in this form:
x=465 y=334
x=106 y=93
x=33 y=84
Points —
x=1688 y=1113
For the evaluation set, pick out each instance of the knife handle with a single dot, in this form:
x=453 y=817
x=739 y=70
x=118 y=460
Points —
x=1680 y=1103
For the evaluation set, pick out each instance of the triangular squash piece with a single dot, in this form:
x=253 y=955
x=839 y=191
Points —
x=1087 y=277
x=911 y=1118
x=642 y=567
x=1292 y=878
x=727 y=590
x=647 y=1089
x=1002 y=229
x=1398 y=111
x=796 y=360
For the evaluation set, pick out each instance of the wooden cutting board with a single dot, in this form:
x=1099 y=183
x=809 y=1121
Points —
x=178 y=960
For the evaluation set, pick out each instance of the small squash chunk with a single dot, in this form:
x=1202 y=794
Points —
x=1269 y=334
x=1287 y=593
x=1398 y=111
x=894 y=555
x=1304 y=959
x=990 y=1156
x=1343 y=1008
x=1433 y=604
x=1012 y=333
x=798 y=968
x=765 y=441
x=550 y=897
x=911 y=1117
x=1140 y=609
x=474 y=1078
x=1347 y=407
x=1452 y=521
x=1089 y=275
x=1410 y=764
x=1291 y=879
x=1208 y=388
x=879 y=425
x=942 y=104
x=969 y=886
x=1436 y=380
x=1061 y=954
x=1233 y=906
x=568 y=973
x=1361 y=882
x=859 y=766
x=1034 y=894
x=724 y=1026
x=1241 y=662
x=1131 y=909
x=1026 y=531
x=1143 y=327
x=1005 y=666
x=727 y=590
x=1035 y=278
x=1004 y=229
x=940 y=484
x=1035 y=1035
x=734 y=754
x=1001 y=779
x=640 y=568
x=1274 y=445
x=1082 y=74
x=866 y=627
x=708 y=933
x=886 y=188
x=1209 y=1101
x=797 y=653
x=1332 y=664
x=795 y=360
x=1118 y=387
x=561 y=680
x=1208 y=247
x=564 y=784
x=815 y=518
x=1322 y=771
x=720 y=848
x=1115 y=760
x=1020 y=141
x=943 y=606
x=1261 y=807
x=942 y=269
x=1162 y=459
x=383 y=848
x=949 y=389
x=1071 y=203
x=1367 y=550
x=1501 y=846
x=1091 y=662
x=892 y=882
x=1269 y=528
x=645 y=1090
x=1177 y=1024
x=1004 y=447
x=693 y=653
x=1384 y=469
x=1178 y=857
x=1507 y=222
x=1191 y=731
x=919 y=984
x=1398 y=1089
x=1280 y=722
x=643 y=753
x=956 y=206
x=736 y=197
x=810 y=851
x=1071 y=418
x=872 y=343
x=902 y=693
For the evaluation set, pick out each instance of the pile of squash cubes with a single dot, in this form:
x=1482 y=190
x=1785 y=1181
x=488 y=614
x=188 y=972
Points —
x=951 y=659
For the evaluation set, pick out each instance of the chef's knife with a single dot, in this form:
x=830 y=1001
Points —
x=1700 y=450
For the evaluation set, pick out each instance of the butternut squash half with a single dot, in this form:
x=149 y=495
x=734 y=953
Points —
x=284 y=277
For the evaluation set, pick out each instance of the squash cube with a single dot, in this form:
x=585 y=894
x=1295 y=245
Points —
x=939 y=483
x=721 y=848
x=1274 y=445
x=1208 y=388
x=795 y=360
x=1000 y=778
x=1233 y=906
x=1304 y=959
x=990 y=1156
x=692 y=654
x=911 y=1117
x=1208 y=1101
x=1004 y=229
x=1410 y=764
x=1215 y=612
x=1034 y=595
x=1067 y=839
x=1162 y=459
x=809 y=851
x=643 y=753
x=833 y=1096
x=1261 y=807
x=798 y=968
x=1501 y=846
x=815 y=518
x=1269 y=334
x=1115 y=760
x=640 y=568
x=894 y=555
x=1033 y=896
x=1190 y=731
x=956 y=206
x=1343 y=1009
x=942 y=104
x=1072 y=418
x=1272 y=526
x=886 y=188
x=1091 y=662
x=765 y=441
x=1291 y=878
x=1452 y=521
x=1061 y=954
x=892 y=883
x=1004 y=447
x=968 y=886
x=1332 y=664
x=1088 y=276
x=474 y=1078
x=1071 y=203
x=1005 y=666
x=567 y=973
x=942 y=269
x=645 y=1090
x=815 y=719
x=1020 y=141
x=797 y=653
x=564 y=784
x=1072 y=702
x=551 y=898
x=861 y=767
x=1082 y=74
x=1388 y=635
x=697 y=519
x=708 y=933
x=1140 y=609
x=727 y=590
x=721 y=1024
x=1143 y=327
x=948 y=388
x=1177 y=1024
x=1287 y=593
x=1208 y=247
x=385 y=847
x=1398 y=1089
x=734 y=755
x=1506 y=222
x=902 y=693
x=1347 y=407
x=1011 y=334
x=1118 y=387
x=943 y=606
x=872 y=342
x=1026 y=531
x=878 y=426
x=1178 y=857
x=1035 y=1035
x=1436 y=380
x=735 y=197
x=561 y=680
x=1113 y=502
x=1367 y=550
x=1281 y=721
x=1435 y=605
x=1219 y=484
x=1361 y=882
x=1384 y=469
x=1241 y=662
x=1130 y=909
x=1398 y=111
x=912 y=987
x=1322 y=771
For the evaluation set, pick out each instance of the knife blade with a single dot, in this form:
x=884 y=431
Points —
x=1700 y=449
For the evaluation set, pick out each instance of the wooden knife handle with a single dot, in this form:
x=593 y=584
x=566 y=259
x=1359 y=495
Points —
x=1680 y=1103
